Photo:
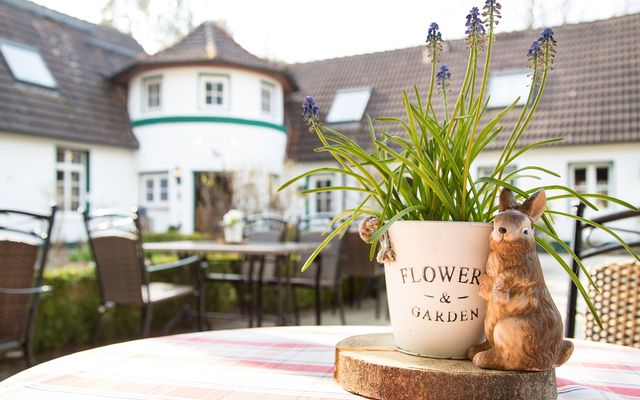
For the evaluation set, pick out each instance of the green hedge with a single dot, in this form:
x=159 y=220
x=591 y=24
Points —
x=67 y=316
x=173 y=235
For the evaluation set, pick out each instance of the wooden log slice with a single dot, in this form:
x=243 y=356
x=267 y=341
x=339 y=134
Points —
x=369 y=365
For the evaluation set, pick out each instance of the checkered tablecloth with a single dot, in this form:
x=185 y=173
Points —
x=266 y=363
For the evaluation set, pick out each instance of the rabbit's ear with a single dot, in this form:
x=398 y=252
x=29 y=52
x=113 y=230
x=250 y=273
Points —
x=535 y=205
x=507 y=200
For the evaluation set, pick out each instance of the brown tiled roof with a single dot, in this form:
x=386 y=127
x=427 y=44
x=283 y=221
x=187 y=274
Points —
x=208 y=44
x=81 y=56
x=592 y=95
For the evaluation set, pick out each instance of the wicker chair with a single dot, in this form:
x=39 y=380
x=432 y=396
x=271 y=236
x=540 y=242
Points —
x=123 y=275
x=325 y=272
x=251 y=274
x=618 y=304
x=24 y=245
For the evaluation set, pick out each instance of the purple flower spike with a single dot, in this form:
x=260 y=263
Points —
x=492 y=4
x=310 y=111
x=534 y=54
x=434 y=41
x=433 y=34
x=534 y=50
x=474 y=25
x=542 y=52
x=548 y=43
x=547 y=36
x=491 y=7
x=443 y=76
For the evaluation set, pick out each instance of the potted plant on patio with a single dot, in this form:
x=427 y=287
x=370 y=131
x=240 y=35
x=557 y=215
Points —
x=432 y=215
x=232 y=224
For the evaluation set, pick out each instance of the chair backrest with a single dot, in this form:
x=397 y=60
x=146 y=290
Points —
x=116 y=244
x=616 y=303
x=24 y=245
x=330 y=258
x=266 y=228
x=584 y=249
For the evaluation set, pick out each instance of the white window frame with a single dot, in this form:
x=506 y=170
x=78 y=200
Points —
x=591 y=183
x=146 y=83
x=329 y=199
x=160 y=194
x=214 y=79
x=270 y=90
x=27 y=64
x=343 y=100
x=506 y=86
x=74 y=162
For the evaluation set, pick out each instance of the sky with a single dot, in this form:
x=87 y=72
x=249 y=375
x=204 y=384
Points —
x=299 y=31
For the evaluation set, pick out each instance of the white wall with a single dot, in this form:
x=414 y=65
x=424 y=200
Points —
x=195 y=147
x=625 y=176
x=28 y=179
x=204 y=146
x=180 y=94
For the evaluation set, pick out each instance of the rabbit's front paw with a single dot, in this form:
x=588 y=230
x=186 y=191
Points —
x=500 y=290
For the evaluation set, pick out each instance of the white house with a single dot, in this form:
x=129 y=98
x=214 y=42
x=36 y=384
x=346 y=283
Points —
x=86 y=123
x=64 y=132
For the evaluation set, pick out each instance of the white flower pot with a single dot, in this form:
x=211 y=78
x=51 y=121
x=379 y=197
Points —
x=233 y=233
x=432 y=287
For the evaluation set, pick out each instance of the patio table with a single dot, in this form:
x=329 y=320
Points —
x=245 y=248
x=267 y=363
x=281 y=251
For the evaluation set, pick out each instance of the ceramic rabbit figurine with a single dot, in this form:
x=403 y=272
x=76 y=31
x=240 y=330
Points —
x=522 y=324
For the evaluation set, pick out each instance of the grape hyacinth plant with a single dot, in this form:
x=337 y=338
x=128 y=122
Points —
x=423 y=173
x=310 y=112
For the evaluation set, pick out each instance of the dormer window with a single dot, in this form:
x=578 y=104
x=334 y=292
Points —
x=26 y=64
x=349 y=105
x=214 y=91
x=505 y=87
x=152 y=93
x=267 y=95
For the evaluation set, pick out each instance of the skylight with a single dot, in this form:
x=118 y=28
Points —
x=505 y=87
x=349 y=105
x=26 y=64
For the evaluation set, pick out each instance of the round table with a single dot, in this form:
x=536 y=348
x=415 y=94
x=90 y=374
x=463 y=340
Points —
x=266 y=363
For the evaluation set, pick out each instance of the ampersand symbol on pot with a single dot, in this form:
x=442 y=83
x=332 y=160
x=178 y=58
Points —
x=445 y=298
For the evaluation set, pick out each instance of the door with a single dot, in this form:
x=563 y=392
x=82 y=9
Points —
x=213 y=196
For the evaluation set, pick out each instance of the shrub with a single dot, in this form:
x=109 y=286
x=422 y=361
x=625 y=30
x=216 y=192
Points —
x=67 y=315
x=80 y=254
x=172 y=235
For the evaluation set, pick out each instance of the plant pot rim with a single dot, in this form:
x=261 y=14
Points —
x=462 y=223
